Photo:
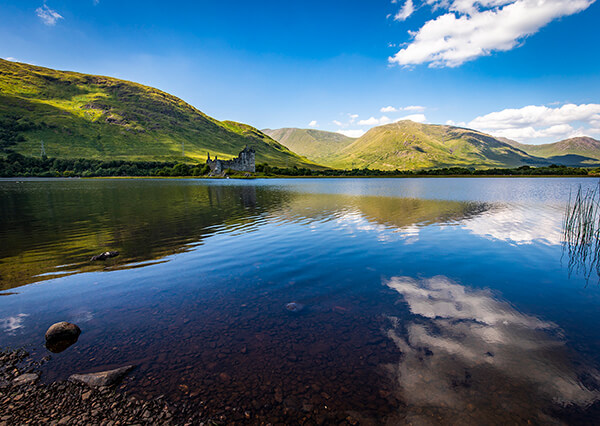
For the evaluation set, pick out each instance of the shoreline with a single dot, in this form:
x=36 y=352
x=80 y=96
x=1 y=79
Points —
x=68 y=403
x=17 y=178
x=31 y=401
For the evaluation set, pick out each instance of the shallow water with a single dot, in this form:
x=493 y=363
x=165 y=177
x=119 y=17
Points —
x=417 y=300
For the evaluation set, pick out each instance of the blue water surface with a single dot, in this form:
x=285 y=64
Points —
x=443 y=300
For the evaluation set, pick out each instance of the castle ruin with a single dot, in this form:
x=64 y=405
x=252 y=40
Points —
x=244 y=162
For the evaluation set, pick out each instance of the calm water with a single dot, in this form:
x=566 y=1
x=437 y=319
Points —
x=425 y=301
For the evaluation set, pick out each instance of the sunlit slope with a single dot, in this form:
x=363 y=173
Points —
x=78 y=115
x=409 y=145
x=316 y=145
x=582 y=147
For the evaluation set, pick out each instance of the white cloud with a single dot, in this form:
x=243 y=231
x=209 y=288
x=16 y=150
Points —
x=337 y=123
x=353 y=117
x=375 y=121
x=454 y=123
x=414 y=108
x=47 y=15
x=475 y=28
x=355 y=133
x=538 y=122
x=313 y=124
x=417 y=118
x=10 y=58
x=405 y=11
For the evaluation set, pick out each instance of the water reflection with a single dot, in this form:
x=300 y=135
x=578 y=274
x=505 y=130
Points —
x=197 y=299
x=12 y=324
x=52 y=228
x=518 y=224
x=466 y=351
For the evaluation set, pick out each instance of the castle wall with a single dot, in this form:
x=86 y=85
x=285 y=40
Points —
x=245 y=162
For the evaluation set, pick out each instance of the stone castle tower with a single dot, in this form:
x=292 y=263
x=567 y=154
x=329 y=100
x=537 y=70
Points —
x=244 y=162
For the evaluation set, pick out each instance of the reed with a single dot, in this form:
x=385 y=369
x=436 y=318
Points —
x=581 y=231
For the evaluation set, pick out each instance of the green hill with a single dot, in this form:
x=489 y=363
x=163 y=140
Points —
x=584 y=148
x=87 y=116
x=317 y=145
x=410 y=145
x=407 y=145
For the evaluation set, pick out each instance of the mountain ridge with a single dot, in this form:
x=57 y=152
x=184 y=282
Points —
x=98 y=117
x=410 y=145
x=318 y=145
x=582 y=146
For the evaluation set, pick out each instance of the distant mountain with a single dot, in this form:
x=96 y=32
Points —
x=407 y=145
x=583 y=149
x=317 y=145
x=410 y=145
x=88 y=116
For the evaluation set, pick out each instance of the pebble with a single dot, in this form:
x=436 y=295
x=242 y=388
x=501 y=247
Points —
x=26 y=379
x=294 y=307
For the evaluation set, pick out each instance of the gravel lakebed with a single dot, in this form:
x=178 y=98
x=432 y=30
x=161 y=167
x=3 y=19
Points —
x=25 y=399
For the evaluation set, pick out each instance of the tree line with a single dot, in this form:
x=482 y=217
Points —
x=552 y=170
x=17 y=165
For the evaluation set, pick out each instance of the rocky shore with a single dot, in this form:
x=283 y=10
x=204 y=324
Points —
x=25 y=400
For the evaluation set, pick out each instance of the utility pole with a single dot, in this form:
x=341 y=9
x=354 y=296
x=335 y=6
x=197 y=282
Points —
x=43 y=151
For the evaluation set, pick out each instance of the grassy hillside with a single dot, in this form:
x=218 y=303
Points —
x=86 y=116
x=316 y=145
x=584 y=148
x=410 y=145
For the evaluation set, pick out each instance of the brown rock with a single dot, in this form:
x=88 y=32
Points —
x=61 y=335
x=26 y=379
x=103 y=378
x=105 y=255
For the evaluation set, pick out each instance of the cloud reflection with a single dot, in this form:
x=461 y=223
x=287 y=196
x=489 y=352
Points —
x=12 y=324
x=354 y=222
x=469 y=357
x=518 y=225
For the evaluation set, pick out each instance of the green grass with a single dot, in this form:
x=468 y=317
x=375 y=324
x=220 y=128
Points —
x=581 y=231
x=95 y=117
x=405 y=145
x=410 y=145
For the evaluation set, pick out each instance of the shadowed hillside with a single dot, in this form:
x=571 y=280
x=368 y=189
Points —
x=86 y=116
x=317 y=145
x=583 y=149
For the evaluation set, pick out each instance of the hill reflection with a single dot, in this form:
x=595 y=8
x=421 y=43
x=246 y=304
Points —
x=53 y=228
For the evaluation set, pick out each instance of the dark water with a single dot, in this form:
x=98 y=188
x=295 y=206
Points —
x=424 y=301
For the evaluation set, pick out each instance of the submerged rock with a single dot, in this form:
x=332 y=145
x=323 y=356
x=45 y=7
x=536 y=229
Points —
x=61 y=335
x=294 y=307
x=105 y=255
x=103 y=378
x=26 y=379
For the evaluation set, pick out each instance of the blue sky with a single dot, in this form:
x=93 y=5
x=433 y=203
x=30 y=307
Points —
x=525 y=69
